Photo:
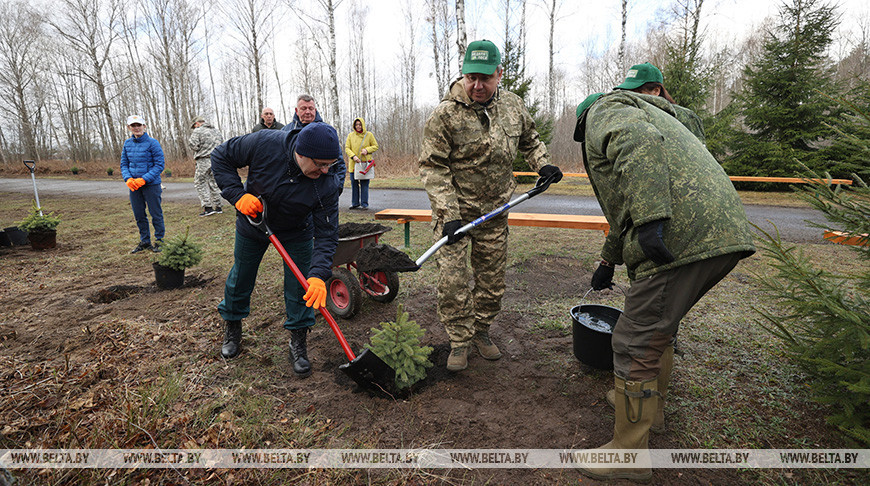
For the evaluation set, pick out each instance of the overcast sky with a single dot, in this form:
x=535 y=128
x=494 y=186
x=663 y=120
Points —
x=583 y=23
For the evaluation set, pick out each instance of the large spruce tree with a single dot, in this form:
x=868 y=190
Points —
x=784 y=117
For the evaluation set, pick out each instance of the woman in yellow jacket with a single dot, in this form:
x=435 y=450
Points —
x=359 y=146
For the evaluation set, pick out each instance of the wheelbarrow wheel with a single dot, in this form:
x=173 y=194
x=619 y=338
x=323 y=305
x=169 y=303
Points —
x=343 y=296
x=384 y=289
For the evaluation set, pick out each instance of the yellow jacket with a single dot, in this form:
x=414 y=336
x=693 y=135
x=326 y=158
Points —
x=356 y=142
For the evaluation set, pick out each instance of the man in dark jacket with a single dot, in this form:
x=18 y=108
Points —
x=678 y=225
x=298 y=175
x=305 y=113
x=267 y=121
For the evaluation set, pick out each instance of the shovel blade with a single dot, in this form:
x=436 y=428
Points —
x=370 y=371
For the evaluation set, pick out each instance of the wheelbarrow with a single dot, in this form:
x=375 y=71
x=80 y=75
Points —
x=345 y=290
x=366 y=368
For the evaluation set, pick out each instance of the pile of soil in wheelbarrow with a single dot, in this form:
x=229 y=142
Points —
x=350 y=230
x=384 y=258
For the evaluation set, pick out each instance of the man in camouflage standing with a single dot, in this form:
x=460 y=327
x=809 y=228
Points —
x=677 y=224
x=466 y=162
x=203 y=140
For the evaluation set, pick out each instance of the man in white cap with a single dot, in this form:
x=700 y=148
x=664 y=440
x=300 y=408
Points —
x=141 y=165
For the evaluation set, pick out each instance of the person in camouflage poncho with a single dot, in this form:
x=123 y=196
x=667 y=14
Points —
x=678 y=225
x=203 y=140
x=466 y=163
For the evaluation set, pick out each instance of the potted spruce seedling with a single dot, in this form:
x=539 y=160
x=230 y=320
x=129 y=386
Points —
x=177 y=254
x=398 y=345
x=41 y=228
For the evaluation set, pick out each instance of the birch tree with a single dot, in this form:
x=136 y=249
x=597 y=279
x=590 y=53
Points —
x=90 y=28
x=440 y=31
x=327 y=23
x=20 y=61
x=461 y=38
x=253 y=25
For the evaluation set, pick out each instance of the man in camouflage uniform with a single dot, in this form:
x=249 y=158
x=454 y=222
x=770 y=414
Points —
x=678 y=225
x=203 y=140
x=466 y=162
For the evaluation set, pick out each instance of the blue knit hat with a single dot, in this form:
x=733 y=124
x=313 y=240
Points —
x=318 y=141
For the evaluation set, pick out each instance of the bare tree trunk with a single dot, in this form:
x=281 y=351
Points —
x=621 y=55
x=330 y=7
x=217 y=112
x=461 y=39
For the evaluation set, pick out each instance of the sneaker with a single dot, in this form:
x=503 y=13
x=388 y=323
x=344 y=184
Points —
x=157 y=246
x=141 y=246
x=354 y=207
x=207 y=211
x=218 y=210
x=458 y=359
x=485 y=347
x=364 y=208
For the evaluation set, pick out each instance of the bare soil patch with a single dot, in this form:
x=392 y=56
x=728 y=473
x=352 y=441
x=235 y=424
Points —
x=93 y=355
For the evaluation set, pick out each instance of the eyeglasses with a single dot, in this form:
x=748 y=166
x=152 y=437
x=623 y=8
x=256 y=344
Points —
x=325 y=166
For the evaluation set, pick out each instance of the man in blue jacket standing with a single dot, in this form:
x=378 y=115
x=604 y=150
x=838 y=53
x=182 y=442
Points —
x=141 y=165
x=299 y=176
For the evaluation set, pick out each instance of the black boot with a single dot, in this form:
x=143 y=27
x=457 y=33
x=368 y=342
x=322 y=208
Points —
x=299 y=352
x=232 y=339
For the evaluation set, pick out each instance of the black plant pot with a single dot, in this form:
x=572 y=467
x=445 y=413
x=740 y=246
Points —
x=16 y=236
x=42 y=240
x=168 y=278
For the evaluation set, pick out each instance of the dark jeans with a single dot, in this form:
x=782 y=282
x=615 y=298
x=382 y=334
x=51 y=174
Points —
x=359 y=195
x=654 y=307
x=148 y=196
x=248 y=254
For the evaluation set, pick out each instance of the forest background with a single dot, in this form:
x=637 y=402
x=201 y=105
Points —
x=775 y=82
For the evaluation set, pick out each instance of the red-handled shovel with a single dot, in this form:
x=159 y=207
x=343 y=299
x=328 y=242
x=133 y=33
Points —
x=366 y=368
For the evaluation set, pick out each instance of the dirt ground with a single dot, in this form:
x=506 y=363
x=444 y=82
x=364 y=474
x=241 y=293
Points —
x=88 y=347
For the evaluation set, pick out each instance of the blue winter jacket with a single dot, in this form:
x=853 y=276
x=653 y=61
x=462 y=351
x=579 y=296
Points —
x=142 y=158
x=297 y=123
x=298 y=208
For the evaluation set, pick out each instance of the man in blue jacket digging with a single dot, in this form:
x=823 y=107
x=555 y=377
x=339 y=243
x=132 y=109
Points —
x=299 y=175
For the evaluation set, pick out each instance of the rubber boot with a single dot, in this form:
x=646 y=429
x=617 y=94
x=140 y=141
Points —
x=232 y=339
x=636 y=403
x=299 y=352
x=666 y=365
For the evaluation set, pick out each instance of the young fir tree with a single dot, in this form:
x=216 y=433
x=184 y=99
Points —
x=398 y=345
x=822 y=317
x=783 y=114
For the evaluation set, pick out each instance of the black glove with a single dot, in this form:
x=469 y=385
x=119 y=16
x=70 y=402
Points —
x=603 y=277
x=449 y=231
x=650 y=236
x=551 y=171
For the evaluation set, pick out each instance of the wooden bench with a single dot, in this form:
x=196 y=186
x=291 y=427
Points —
x=575 y=221
x=846 y=238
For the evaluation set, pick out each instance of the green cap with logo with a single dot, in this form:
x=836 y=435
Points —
x=640 y=74
x=481 y=57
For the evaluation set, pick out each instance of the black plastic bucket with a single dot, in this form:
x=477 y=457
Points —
x=593 y=331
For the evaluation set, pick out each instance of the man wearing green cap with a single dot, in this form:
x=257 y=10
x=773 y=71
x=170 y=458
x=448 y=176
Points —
x=679 y=227
x=466 y=162
x=647 y=79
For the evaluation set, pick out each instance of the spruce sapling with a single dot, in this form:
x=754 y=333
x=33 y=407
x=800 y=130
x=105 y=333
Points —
x=398 y=345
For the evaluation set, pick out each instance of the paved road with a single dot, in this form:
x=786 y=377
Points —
x=792 y=222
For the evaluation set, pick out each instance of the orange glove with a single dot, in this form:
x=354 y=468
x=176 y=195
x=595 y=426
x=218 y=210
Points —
x=139 y=182
x=249 y=205
x=316 y=295
x=131 y=183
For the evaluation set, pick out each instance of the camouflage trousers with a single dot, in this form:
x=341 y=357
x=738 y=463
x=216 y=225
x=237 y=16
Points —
x=205 y=185
x=469 y=299
x=654 y=306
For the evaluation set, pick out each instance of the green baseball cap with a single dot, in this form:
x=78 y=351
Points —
x=481 y=57
x=640 y=74
x=580 y=127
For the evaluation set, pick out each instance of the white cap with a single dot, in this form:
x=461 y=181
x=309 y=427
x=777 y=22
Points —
x=135 y=119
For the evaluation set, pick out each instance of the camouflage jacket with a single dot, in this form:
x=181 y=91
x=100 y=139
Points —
x=645 y=165
x=691 y=121
x=466 y=159
x=204 y=139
